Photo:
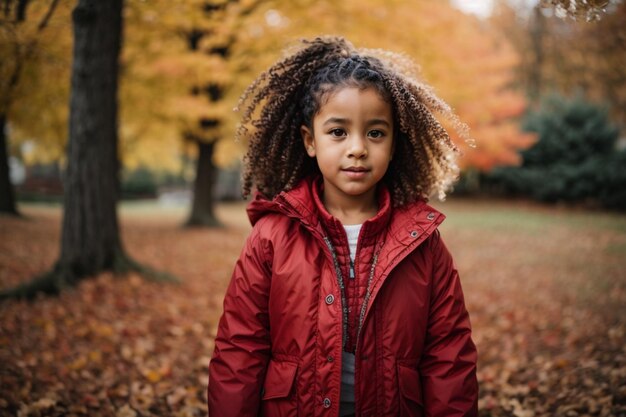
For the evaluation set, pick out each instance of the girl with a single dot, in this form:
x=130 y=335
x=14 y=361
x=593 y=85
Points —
x=345 y=301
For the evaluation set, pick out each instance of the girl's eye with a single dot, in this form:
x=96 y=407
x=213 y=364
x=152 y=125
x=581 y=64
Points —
x=337 y=132
x=376 y=134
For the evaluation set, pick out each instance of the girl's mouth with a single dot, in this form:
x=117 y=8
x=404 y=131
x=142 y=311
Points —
x=355 y=172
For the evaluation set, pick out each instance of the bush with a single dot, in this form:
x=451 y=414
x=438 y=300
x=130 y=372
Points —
x=570 y=132
x=574 y=159
x=612 y=182
x=139 y=183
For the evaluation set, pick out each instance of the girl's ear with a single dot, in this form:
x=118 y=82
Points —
x=307 y=138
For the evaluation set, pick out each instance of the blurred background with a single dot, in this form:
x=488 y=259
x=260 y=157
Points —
x=541 y=93
x=536 y=222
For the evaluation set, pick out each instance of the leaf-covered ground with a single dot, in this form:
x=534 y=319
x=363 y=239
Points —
x=546 y=290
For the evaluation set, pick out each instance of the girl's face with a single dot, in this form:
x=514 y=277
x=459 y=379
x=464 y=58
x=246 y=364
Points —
x=352 y=139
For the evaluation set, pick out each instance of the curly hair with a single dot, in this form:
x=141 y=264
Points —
x=291 y=92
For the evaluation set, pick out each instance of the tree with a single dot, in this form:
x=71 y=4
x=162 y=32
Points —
x=569 y=56
x=90 y=240
x=601 y=47
x=196 y=69
x=215 y=37
x=465 y=60
x=22 y=25
x=194 y=60
x=40 y=111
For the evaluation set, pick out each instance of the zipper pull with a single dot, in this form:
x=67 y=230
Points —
x=351 y=269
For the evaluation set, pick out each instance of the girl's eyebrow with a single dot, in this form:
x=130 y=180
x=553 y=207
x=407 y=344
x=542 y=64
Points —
x=378 y=122
x=340 y=120
x=335 y=120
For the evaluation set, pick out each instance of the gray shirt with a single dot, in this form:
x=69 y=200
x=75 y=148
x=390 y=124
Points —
x=346 y=405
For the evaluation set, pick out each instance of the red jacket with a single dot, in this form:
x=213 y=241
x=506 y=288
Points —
x=279 y=342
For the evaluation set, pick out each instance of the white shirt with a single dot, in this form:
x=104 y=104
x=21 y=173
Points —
x=346 y=404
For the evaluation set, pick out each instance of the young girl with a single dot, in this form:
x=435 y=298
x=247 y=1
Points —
x=345 y=301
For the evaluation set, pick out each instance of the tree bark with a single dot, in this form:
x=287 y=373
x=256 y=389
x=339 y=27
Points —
x=90 y=240
x=7 y=194
x=203 y=206
x=90 y=237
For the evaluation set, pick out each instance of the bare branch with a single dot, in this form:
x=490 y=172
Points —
x=251 y=8
x=48 y=15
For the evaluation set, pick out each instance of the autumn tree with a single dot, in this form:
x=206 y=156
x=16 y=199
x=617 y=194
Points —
x=90 y=240
x=40 y=111
x=465 y=60
x=214 y=37
x=601 y=51
x=22 y=27
x=568 y=56
x=191 y=54
x=186 y=64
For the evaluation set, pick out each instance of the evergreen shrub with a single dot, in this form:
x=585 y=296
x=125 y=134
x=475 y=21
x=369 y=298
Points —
x=574 y=159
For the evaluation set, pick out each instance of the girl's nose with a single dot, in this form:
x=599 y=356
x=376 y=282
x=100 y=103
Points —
x=358 y=147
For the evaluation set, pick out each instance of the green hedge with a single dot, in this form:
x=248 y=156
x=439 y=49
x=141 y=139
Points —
x=574 y=159
x=139 y=183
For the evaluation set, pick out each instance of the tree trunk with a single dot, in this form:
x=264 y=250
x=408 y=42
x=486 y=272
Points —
x=202 y=212
x=7 y=194
x=537 y=34
x=90 y=240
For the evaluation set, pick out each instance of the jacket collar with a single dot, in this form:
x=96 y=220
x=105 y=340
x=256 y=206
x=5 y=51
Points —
x=295 y=203
x=370 y=228
x=304 y=203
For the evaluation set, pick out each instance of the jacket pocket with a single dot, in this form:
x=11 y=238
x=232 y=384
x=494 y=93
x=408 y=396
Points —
x=279 y=396
x=410 y=385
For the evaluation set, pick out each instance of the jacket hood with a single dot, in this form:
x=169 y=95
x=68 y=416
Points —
x=260 y=206
x=298 y=203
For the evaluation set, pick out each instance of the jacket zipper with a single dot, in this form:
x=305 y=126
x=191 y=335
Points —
x=368 y=293
x=344 y=304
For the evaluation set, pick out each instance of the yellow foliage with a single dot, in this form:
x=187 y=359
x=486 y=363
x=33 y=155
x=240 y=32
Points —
x=462 y=57
x=37 y=105
x=468 y=64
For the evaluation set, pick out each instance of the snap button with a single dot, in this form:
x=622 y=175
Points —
x=326 y=402
x=431 y=216
x=330 y=299
x=413 y=233
x=330 y=358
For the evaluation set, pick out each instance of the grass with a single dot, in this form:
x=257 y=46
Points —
x=526 y=217
x=580 y=253
x=231 y=213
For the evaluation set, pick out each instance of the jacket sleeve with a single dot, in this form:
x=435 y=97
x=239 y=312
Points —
x=242 y=345
x=448 y=365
